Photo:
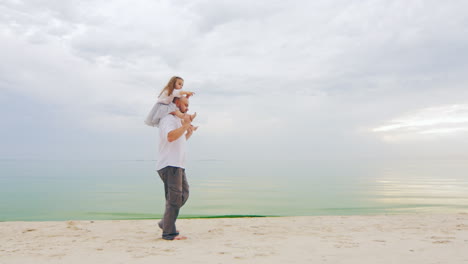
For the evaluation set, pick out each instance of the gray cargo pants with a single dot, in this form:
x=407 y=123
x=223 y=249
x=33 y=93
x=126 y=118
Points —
x=176 y=189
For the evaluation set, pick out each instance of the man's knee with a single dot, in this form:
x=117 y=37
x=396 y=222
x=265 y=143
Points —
x=185 y=197
x=176 y=198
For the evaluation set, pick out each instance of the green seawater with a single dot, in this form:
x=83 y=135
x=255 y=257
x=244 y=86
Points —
x=97 y=190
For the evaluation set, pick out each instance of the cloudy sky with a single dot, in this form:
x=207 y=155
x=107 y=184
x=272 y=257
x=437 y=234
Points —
x=273 y=79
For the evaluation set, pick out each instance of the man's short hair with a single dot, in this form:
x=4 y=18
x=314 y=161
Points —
x=178 y=98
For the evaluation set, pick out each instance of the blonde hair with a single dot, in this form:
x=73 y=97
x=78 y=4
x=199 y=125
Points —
x=170 y=86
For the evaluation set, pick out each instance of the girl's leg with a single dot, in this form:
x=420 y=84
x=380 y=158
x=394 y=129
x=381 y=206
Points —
x=183 y=116
x=179 y=114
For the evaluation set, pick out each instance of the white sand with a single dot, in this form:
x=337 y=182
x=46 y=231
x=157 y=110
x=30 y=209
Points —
x=399 y=239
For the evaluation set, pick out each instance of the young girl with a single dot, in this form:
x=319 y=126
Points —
x=165 y=106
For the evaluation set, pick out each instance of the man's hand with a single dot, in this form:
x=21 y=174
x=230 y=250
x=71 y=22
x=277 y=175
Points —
x=190 y=131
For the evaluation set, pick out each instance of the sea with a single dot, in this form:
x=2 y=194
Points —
x=58 y=190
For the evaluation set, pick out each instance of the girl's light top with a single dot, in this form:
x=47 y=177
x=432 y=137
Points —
x=164 y=98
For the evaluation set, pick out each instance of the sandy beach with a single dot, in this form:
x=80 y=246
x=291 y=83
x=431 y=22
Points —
x=414 y=238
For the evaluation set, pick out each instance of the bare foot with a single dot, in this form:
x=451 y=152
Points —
x=179 y=237
x=192 y=117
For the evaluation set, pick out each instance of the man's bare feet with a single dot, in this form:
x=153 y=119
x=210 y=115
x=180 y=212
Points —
x=179 y=237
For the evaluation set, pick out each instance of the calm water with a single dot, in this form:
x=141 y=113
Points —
x=63 y=190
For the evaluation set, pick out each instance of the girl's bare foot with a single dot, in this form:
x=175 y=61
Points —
x=193 y=116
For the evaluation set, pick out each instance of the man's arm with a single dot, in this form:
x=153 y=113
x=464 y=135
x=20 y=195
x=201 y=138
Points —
x=178 y=132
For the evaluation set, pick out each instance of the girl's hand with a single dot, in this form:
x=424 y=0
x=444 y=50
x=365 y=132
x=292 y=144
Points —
x=188 y=94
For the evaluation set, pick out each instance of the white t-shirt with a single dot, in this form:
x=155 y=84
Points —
x=167 y=99
x=170 y=153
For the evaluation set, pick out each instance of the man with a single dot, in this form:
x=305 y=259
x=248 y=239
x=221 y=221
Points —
x=174 y=133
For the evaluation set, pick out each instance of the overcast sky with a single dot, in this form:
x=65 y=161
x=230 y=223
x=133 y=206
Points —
x=273 y=79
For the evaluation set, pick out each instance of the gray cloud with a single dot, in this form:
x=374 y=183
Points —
x=326 y=72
